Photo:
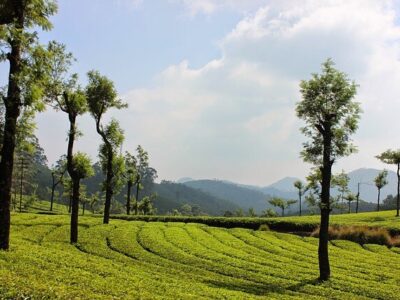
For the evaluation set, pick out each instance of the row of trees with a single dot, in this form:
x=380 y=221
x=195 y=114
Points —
x=39 y=76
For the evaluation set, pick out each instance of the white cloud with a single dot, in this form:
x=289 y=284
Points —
x=234 y=117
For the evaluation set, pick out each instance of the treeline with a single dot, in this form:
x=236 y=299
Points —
x=40 y=77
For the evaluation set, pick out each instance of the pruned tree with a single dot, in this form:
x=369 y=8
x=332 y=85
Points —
x=281 y=203
x=112 y=164
x=58 y=171
x=102 y=96
x=301 y=190
x=27 y=78
x=381 y=181
x=392 y=157
x=350 y=197
x=131 y=177
x=81 y=168
x=331 y=116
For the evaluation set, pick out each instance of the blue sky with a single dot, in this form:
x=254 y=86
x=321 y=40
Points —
x=212 y=85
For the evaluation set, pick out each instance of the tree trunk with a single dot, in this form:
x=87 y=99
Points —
x=379 y=198
x=128 y=198
x=137 y=198
x=53 y=187
x=83 y=208
x=75 y=211
x=74 y=199
x=12 y=106
x=300 y=203
x=323 y=256
x=349 y=207
x=109 y=187
x=398 y=189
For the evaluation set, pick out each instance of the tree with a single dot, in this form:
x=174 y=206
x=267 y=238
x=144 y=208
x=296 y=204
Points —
x=146 y=205
x=26 y=81
x=380 y=181
x=81 y=168
x=331 y=116
x=112 y=164
x=281 y=203
x=301 y=189
x=131 y=176
x=350 y=197
x=57 y=174
x=341 y=181
x=102 y=96
x=392 y=157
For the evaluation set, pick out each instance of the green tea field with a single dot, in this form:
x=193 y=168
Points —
x=143 y=260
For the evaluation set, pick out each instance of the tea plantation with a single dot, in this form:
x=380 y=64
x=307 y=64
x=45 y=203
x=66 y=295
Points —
x=154 y=260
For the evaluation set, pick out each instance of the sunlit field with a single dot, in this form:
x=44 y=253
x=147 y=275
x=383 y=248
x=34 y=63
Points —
x=150 y=260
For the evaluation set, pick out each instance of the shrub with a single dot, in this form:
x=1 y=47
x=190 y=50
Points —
x=359 y=234
x=263 y=227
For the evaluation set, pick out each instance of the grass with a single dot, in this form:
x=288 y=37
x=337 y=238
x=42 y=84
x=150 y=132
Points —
x=385 y=219
x=172 y=260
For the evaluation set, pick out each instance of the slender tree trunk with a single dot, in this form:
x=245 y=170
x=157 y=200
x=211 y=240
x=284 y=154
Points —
x=323 y=255
x=74 y=199
x=283 y=212
x=398 y=190
x=300 y=203
x=379 y=198
x=349 y=207
x=83 y=208
x=109 y=187
x=12 y=105
x=53 y=187
x=75 y=211
x=137 y=198
x=128 y=198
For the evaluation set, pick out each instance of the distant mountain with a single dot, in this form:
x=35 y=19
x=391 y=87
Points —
x=241 y=196
x=284 y=185
x=283 y=188
x=174 y=195
x=184 y=179
x=368 y=191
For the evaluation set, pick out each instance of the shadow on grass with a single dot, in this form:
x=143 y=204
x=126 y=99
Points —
x=260 y=289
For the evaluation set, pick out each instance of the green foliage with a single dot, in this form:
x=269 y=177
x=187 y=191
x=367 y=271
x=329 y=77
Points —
x=328 y=108
x=101 y=95
x=381 y=179
x=82 y=165
x=391 y=157
x=144 y=260
x=281 y=203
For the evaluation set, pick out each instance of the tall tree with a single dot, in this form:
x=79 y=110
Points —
x=26 y=81
x=350 y=197
x=281 y=203
x=380 y=181
x=331 y=116
x=130 y=176
x=341 y=181
x=301 y=190
x=112 y=164
x=57 y=175
x=102 y=96
x=67 y=96
x=392 y=157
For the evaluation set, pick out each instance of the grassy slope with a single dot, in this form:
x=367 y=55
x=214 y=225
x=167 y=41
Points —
x=380 y=219
x=140 y=260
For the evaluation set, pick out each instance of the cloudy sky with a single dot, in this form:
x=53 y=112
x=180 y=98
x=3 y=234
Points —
x=212 y=84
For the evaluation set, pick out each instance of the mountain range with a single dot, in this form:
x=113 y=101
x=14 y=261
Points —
x=246 y=196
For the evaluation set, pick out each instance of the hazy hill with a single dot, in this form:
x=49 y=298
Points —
x=173 y=195
x=239 y=195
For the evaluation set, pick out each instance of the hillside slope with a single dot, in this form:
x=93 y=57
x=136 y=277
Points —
x=140 y=260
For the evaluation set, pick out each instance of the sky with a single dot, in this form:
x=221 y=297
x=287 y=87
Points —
x=212 y=85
